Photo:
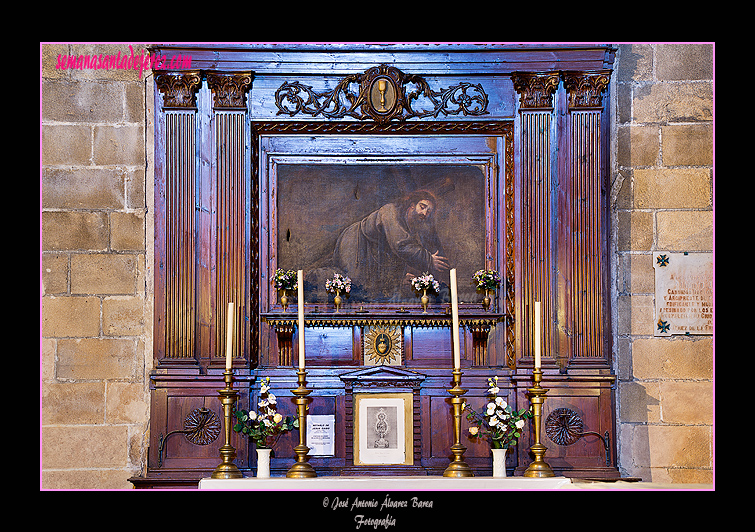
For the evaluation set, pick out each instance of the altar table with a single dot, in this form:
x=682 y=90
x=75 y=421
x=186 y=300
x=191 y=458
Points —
x=434 y=483
x=382 y=483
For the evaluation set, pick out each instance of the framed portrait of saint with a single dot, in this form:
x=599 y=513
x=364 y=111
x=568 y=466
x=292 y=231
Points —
x=383 y=429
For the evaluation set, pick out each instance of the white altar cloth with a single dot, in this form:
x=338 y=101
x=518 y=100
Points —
x=384 y=483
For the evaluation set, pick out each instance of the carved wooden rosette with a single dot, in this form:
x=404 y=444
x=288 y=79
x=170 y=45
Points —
x=201 y=427
x=563 y=426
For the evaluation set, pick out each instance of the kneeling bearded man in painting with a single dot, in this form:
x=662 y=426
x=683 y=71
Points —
x=392 y=244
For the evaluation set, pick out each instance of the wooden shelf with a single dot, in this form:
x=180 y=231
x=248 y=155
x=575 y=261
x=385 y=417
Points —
x=359 y=319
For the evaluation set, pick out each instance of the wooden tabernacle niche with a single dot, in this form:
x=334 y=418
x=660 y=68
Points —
x=380 y=164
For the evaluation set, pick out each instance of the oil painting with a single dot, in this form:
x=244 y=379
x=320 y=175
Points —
x=381 y=225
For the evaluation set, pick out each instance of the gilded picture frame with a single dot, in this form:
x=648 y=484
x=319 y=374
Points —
x=323 y=202
x=383 y=429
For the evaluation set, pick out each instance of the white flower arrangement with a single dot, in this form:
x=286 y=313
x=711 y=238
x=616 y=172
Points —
x=266 y=426
x=285 y=280
x=500 y=423
x=425 y=282
x=486 y=279
x=339 y=283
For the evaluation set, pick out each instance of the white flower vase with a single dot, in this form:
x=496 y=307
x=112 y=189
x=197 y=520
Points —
x=499 y=462
x=263 y=463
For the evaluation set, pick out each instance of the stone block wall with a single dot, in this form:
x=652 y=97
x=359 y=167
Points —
x=96 y=315
x=662 y=200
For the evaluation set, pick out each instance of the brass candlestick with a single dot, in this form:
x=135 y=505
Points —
x=301 y=468
x=228 y=397
x=458 y=467
x=536 y=394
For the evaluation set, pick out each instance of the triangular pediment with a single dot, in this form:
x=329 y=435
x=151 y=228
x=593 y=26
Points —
x=388 y=375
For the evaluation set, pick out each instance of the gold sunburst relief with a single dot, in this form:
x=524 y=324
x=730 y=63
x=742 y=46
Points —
x=382 y=345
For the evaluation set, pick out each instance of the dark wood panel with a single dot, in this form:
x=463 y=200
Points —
x=591 y=399
x=431 y=347
x=538 y=220
x=586 y=271
x=327 y=346
x=545 y=221
x=174 y=397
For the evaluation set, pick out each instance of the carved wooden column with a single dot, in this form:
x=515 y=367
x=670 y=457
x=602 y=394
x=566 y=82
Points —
x=536 y=199
x=229 y=141
x=585 y=208
x=175 y=249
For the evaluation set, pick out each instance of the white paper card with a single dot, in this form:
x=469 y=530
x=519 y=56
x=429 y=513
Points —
x=321 y=432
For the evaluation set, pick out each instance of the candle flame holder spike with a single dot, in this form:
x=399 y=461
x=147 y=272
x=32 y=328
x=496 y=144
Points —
x=538 y=468
x=228 y=397
x=458 y=467
x=301 y=468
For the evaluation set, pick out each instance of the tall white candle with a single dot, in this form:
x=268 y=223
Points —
x=229 y=338
x=300 y=304
x=537 y=334
x=455 y=318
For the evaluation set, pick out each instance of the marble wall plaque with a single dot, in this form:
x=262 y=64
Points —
x=683 y=293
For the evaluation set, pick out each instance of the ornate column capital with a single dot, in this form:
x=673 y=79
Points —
x=179 y=88
x=585 y=89
x=535 y=90
x=229 y=89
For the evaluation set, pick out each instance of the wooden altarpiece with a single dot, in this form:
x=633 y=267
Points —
x=265 y=155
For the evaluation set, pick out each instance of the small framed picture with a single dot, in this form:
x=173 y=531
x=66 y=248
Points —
x=383 y=429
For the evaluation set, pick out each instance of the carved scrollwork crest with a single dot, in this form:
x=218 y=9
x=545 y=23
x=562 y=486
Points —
x=381 y=93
